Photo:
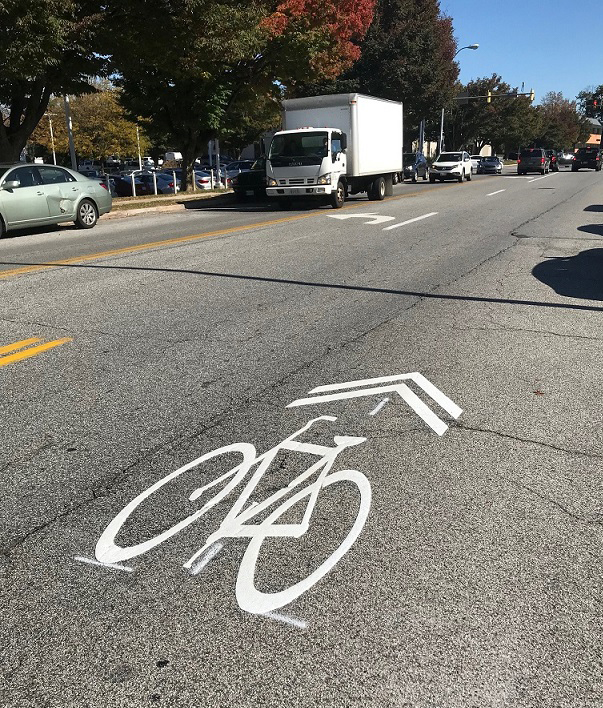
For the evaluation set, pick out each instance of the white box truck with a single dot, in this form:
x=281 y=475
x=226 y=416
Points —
x=332 y=146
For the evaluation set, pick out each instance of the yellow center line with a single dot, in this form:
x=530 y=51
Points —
x=32 y=351
x=18 y=345
x=180 y=239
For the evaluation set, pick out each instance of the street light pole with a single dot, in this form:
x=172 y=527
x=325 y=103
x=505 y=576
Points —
x=54 y=155
x=469 y=46
x=138 y=143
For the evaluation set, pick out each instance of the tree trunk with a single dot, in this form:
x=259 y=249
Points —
x=188 y=160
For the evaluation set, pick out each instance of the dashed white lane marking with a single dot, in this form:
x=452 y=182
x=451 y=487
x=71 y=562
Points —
x=300 y=624
x=379 y=406
x=537 y=178
x=410 y=221
x=211 y=553
x=115 y=566
x=497 y=192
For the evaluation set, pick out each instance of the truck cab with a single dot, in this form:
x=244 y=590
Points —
x=307 y=162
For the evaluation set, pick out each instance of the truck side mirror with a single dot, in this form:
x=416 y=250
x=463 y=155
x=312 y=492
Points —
x=344 y=141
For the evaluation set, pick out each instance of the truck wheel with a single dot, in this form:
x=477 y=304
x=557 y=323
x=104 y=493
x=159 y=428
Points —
x=338 y=197
x=376 y=191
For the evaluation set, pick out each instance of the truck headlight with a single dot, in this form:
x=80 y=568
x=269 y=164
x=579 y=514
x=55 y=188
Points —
x=271 y=182
x=324 y=179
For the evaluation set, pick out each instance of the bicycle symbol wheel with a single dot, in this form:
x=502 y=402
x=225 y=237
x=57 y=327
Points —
x=253 y=600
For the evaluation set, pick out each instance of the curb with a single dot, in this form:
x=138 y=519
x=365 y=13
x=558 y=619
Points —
x=179 y=206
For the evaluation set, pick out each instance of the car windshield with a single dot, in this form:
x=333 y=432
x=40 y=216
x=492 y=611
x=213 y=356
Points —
x=531 y=153
x=449 y=157
x=476 y=157
x=307 y=148
x=489 y=159
x=587 y=151
x=259 y=164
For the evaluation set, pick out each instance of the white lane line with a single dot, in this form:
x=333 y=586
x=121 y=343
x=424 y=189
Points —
x=300 y=624
x=212 y=552
x=379 y=406
x=115 y=566
x=410 y=221
x=537 y=178
x=497 y=192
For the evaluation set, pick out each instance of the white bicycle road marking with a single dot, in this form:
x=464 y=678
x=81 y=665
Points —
x=241 y=520
x=410 y=221
x=497 y=192
x=114 y=566
x=374 y=218
x=379 y=406
x=402 y=389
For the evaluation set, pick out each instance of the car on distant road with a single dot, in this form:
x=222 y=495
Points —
x=554 y=164
x=490 y=165
x=589 y=157
x=39 y=195
x=144 y=185
x=414 y=165
x=252 y=183
x=451 y=165
x=533 y=160
x=565 y=157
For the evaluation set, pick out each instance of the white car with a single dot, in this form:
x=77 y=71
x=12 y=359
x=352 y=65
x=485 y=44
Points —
x=451 y=165
x=475 y=160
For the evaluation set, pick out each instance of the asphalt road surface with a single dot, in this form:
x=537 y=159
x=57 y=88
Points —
x=196 y=514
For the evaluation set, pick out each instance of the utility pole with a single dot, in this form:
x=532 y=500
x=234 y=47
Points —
x=70 y=132
x=441 y=145
x=138 y=143
x=54 y=155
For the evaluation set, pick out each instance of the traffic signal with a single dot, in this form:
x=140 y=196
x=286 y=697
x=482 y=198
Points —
x=595 y=103
x=489 y=99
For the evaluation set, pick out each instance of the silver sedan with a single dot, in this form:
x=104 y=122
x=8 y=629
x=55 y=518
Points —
x=40 y=195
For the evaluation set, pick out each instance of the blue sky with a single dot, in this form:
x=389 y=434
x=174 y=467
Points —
x=551 y=45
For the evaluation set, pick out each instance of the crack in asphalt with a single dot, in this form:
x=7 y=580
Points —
x=527 y=441
x=593 y=520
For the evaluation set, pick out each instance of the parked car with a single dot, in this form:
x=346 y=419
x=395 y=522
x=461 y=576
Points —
x=39 y=195
x=451 y=165
x=252 y=183
x=554 y=164
x=234 y=168
x=490 y=165
x=589 y=157
x=414 y=165
x=475 y=160
x=89 y=165
x=144 y=185
x=533 y=160
x=203 y=179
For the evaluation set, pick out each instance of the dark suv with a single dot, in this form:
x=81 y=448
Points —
x=587 y=157
x=533 y=160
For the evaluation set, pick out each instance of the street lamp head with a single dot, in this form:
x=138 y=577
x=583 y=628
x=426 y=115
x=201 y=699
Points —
x=473 y=46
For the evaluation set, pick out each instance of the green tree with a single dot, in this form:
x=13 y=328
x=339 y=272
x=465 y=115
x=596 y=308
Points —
x=562 y=125
x=507 y=122
x=100 y=126
x=46 y=47
x=202 y=60
x=407 y=55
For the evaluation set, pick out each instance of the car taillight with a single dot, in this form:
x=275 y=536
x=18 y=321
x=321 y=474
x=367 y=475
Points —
x=102 y=184
x=204 y=181
x=171 y=185
x=542 y=160
x=518 y=161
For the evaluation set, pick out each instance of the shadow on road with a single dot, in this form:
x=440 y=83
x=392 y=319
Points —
x=594 y=207
x=335 y=286
x=579 y=276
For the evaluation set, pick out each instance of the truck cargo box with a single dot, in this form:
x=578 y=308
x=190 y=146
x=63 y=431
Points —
x=374 y=127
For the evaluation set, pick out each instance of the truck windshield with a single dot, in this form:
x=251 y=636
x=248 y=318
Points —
x=307 y=148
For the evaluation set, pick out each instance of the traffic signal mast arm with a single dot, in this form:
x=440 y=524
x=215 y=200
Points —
x=489 y=96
